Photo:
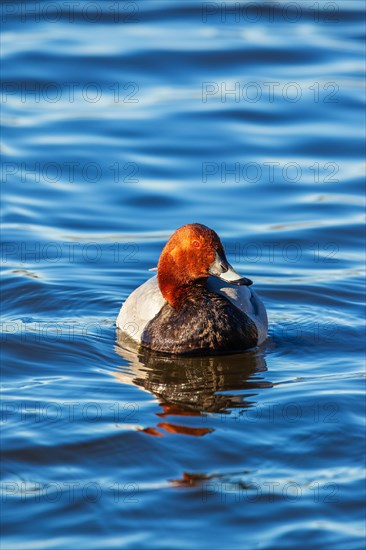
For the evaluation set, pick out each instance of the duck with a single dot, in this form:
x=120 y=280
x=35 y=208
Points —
x=196 y=304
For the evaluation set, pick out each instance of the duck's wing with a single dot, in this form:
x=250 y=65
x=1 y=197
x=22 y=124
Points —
x=245 y=299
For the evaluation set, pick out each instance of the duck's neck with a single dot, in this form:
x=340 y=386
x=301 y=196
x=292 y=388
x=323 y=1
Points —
x=174 y=283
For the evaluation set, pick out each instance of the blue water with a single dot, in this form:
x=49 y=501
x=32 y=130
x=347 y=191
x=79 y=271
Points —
x=121 y=122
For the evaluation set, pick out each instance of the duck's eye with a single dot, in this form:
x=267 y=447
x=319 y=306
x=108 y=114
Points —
x=196 y=244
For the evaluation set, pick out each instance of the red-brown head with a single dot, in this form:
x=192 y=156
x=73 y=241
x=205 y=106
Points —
x=193 y=253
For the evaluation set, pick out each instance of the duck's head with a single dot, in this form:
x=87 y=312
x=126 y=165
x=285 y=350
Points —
x=192 y=254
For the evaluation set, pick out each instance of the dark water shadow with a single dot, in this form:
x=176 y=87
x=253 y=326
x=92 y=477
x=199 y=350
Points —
x=193 y=386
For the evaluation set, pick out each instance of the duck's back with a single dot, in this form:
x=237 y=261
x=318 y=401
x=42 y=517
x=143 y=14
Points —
x=205 y=323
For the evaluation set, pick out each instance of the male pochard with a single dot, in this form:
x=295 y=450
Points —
x=184 y=311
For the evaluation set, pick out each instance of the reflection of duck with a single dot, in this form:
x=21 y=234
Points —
x=182 y=311
x=192 y=386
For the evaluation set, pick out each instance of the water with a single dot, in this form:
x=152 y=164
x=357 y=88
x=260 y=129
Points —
x=123 y=121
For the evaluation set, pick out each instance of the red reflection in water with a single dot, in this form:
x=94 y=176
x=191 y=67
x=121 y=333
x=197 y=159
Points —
x=151 y=431
x=175 y=410
x=190 y=480
x=186 y=430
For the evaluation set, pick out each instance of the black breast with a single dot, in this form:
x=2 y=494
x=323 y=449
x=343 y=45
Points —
x=206 y=323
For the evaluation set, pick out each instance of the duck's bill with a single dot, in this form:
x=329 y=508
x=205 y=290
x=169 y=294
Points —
x=221 y=268
x=232 y=277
